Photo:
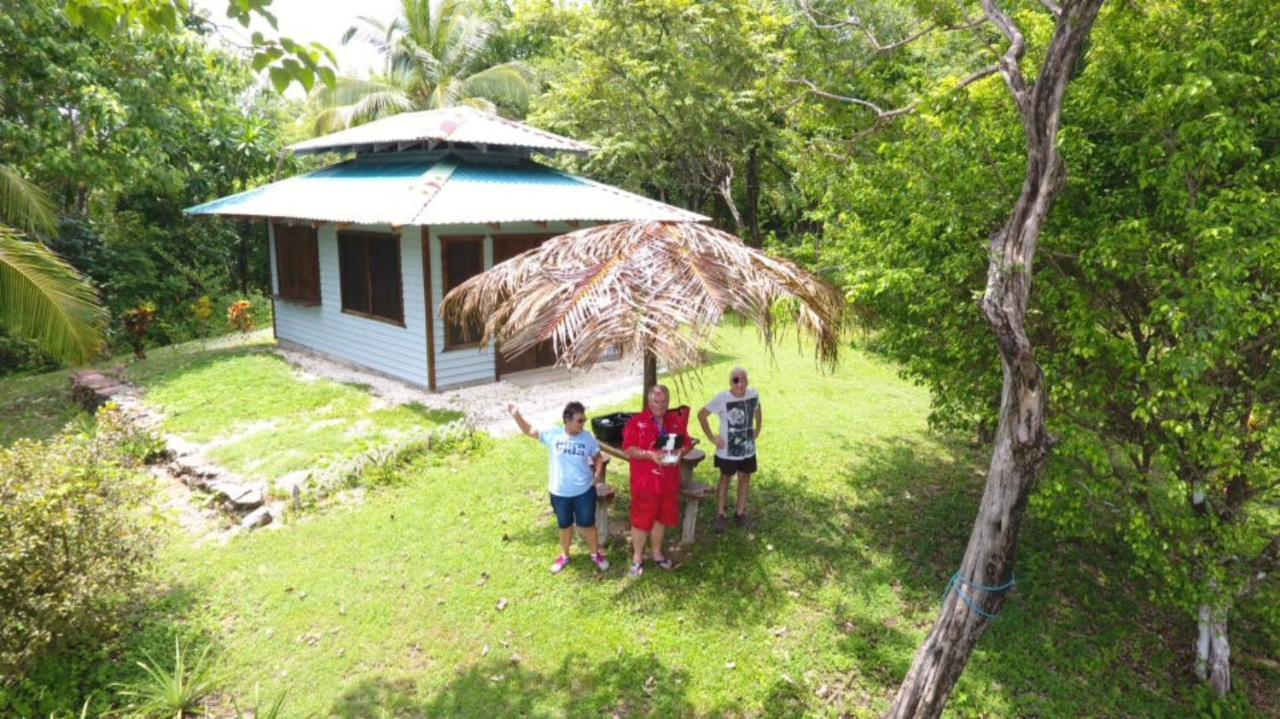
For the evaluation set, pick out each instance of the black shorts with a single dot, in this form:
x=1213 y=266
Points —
x=746 y=465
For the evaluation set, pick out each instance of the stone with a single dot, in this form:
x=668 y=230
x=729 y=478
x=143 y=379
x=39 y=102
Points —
x=237 y=496
x=259 y=517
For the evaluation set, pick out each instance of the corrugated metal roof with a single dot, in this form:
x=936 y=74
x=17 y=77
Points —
x=478 y=193
x=455 y=124
x=442 y=191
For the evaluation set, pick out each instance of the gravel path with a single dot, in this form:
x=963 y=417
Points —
x=540 y=394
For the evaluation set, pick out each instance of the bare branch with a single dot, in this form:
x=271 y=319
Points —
x=984 y=72
x=853 y=21
x=879 y=111
x=1052 y=7
x=901 y=43
x=883 y=115
x=1011 y=61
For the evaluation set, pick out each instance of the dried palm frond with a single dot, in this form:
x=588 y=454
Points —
x=656 y=287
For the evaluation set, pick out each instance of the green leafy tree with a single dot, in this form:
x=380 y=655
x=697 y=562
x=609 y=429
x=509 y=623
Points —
x=126 y=132
x=1155 y=316
x=434 y=56
x=683 y=98
x=286 y=60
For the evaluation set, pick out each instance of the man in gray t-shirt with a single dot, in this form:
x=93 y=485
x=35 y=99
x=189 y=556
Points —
x=740 y=423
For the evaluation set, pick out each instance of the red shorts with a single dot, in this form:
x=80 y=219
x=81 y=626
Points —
x=650 y=507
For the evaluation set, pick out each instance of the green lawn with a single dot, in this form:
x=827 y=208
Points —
x=263 y=421
x=390 y=608
x=39 y=406
x=36 y=407
x=256 y=414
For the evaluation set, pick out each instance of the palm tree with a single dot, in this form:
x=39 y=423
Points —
x=432 y=55
x=655 y=288
x=42 y=298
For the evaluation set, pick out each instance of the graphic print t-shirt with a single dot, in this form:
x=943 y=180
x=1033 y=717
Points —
x=737 y=423
x=571 y=457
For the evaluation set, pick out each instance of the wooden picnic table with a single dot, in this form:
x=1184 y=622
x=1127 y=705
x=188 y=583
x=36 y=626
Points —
x=692 y=492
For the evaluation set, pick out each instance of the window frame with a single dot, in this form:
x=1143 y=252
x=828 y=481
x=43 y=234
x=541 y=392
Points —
x=364 y=236
x=282 y=232
x=445 y=241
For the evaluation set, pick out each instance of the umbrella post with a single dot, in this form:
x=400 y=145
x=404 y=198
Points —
x=650 y=376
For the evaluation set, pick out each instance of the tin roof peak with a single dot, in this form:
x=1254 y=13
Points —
x=447 y=128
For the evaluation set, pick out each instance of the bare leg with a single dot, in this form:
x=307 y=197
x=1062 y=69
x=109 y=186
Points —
x=655 y=541
x=722 y=496
x=593 y=539
x=638 y=538
x=566 y=540
x=744 y=487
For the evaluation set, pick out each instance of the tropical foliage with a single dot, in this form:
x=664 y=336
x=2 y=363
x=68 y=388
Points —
x=434 y=56
x=121 y=134
x=876 y=149
x=46 y=300
x=684 y=99
x=1155 y=298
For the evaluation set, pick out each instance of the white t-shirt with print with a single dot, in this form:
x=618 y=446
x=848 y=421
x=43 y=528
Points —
x=737 y=423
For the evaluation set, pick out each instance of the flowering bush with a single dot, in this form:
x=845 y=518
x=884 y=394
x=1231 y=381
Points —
x=202 y=311
x=137 y=322
x=240 y=315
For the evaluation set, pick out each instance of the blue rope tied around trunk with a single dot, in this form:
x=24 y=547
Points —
x=958 y=582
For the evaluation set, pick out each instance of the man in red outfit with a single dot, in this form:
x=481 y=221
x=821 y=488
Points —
x=655 y=440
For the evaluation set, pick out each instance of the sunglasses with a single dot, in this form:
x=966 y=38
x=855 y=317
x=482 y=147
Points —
x=582 y=418
x=739 y=380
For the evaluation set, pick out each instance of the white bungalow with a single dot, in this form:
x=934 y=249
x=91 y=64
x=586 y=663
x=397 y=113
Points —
x=363 y=251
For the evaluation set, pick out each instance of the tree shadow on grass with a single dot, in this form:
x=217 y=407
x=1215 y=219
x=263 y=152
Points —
x=1077 y=635
x=807 y=537
x=628 y=685
x=433 y=415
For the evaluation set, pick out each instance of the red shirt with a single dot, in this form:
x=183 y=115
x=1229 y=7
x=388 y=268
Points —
x=643 y=432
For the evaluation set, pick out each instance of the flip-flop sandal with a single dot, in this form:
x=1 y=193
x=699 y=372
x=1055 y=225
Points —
x=666 y=564
x=636 y=571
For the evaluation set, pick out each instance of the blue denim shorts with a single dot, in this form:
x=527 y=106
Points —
x=579 y=510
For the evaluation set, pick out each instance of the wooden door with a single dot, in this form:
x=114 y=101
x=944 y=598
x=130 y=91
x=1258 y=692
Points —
x=504 y=248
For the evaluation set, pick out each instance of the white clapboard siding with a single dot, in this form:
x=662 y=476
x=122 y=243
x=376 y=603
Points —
x=397 y=351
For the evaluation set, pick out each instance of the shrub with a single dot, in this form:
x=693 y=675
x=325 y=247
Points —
x=74 y=540
x=240 y=315
x=137 y=322
x=202 y=312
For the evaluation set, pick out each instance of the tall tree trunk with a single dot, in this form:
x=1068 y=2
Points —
x=1021 y=443
x=1213 y=651
x=650 y=376
x=753 y=198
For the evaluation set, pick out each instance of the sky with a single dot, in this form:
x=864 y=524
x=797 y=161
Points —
x=312 y=20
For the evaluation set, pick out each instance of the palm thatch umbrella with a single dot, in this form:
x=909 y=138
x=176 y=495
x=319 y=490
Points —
x=655 y=288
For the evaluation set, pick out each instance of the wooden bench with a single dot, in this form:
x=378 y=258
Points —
x=692 y=492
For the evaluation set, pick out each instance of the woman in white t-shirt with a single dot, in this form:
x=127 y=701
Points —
x=740 y=424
